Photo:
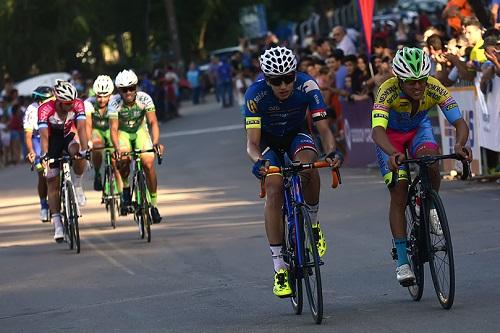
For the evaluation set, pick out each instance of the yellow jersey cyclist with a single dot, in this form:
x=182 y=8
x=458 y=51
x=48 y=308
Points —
x=275 y=116
x=32 y=138
x=127 y=112
x=96 y=110
x=399 y=122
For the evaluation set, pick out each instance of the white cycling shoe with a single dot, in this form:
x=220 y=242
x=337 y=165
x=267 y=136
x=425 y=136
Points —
x=405 y=275
x=80 y=196
x=44 y=215
x=435 y=224
x=58 y=231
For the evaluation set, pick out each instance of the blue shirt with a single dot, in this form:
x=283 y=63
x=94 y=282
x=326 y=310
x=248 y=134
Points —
x=340 y=77
x=264 y=110
x=193 y=77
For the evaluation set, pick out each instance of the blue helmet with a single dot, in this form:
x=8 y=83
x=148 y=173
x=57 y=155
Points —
x=41 y=93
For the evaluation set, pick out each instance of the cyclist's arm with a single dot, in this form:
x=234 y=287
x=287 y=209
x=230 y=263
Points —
x=44 y=140
x=113 y=132
x=327 y=139
x=380 y=137
x=253 y=144
x=89 y=109
x=28 y=133
x=153 y=124
x=81 y=127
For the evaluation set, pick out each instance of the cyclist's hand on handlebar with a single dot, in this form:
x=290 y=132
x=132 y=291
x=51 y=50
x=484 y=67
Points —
x=393 y=161
x=117 y=154
x=159 y=149
x=260 y=167
x=335 y=158
x=31 y=157
x=464 y=152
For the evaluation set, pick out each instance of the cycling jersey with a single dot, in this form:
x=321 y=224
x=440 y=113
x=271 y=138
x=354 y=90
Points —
x=131 y=118
x=48 y=117
x=278 y=118
x=30 y=122
x=392 y=108
x=100 y=122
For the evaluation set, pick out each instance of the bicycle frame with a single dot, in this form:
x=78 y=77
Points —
x=65 y=179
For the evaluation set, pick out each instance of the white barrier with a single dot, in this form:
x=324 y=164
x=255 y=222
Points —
x=488 y=107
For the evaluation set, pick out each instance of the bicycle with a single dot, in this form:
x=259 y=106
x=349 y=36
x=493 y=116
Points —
x=141 y=200
x=69 y=205
x=110 y=195
x=300 y=251
x=424 y=245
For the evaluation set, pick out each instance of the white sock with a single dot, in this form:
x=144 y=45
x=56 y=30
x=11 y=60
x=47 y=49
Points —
x=78 y=180
x=276 y=252
x=313 y=212
x=56 y=219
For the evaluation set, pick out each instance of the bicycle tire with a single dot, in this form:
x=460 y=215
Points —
x=442 y=268
x=145 y=214
x=295 y=278
x=73 y=218
x=112 y=200
x=311 y=267
x=414 y=237
x=64 y=213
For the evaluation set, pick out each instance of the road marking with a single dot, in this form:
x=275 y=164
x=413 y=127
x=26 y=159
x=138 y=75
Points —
x=112 y=260
x=202 y=131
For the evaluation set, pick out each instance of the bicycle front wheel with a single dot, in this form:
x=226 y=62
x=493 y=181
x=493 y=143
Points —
x=441 y=253
x=413 y=231
x=74 y=231
x=295 y=276
x=110 y=178
x=311 y=268
x=144 y=210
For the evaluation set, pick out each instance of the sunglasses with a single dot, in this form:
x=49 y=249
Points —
x=421 y=81
x=277 y=80
x=127 y=89
x=67 y=103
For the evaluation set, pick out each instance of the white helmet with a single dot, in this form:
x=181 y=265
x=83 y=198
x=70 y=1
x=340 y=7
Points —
x=411 y=63
x=65 y=91
x=126 y=78
x=103 y=85
x=278 y=61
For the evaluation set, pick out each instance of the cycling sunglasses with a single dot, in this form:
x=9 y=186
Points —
x=276 y=80
x=127 y=89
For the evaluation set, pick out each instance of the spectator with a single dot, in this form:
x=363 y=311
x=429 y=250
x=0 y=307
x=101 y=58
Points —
x=454 y=12
x=16 y=129
x=492 y=67
x=225 y=77
x=323 y=49
x=335 y=63
x=384 y=72
x=243 y=81
x=171 y=93
x=343 y=41
x=145 y=84
x=495 y=11
x=213 y=76
x=473 y=34
x=4 y=140
x=193 y=76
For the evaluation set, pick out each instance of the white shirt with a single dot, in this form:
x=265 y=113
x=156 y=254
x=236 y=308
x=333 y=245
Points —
x=30 y=121
x=347 y=46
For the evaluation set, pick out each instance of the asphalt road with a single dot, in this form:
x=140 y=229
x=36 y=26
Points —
x=208 y=268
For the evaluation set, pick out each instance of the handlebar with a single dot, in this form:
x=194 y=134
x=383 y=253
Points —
x=296 y=167
x=136 y=152
x=428 y=160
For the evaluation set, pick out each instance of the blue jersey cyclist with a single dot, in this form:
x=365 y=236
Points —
x=275 y=121
x=400 y=122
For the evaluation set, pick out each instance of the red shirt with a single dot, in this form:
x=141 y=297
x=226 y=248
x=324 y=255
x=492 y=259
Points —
x=48 y=117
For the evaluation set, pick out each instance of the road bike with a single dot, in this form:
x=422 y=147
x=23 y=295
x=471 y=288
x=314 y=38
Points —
x=300 y=251
x=141 y=200
x=425 y=244
x=110 y=193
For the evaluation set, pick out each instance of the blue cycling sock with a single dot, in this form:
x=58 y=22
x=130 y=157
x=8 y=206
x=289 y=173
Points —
x=44 y=203
x=400 y=244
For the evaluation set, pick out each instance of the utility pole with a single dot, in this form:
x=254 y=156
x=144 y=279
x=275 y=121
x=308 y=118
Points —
x=174 y=35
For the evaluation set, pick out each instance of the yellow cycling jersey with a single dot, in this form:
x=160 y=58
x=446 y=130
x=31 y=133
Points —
x=392 y=108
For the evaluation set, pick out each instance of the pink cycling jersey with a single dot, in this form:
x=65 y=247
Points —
x=48 y=117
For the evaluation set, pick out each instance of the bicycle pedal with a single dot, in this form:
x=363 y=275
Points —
x=408 y=283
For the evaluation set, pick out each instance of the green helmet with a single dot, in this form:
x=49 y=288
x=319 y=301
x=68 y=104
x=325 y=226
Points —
x=411 y=63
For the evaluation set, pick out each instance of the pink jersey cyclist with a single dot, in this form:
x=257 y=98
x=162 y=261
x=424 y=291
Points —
x=48 y=117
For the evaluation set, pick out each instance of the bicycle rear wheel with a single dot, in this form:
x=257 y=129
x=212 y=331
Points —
x=441 y=254
x=413 y=232
x=311 y=269
x=112 y=204
x=72 y=212
x=295 y=278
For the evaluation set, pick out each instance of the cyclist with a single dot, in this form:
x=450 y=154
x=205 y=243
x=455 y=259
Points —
x=129 y=130
x=399 y=121
x=96 y=110
x=62 y=127
x=275 y=117
x=32 y=139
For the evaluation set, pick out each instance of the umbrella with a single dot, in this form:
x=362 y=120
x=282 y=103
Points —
x=26 y=87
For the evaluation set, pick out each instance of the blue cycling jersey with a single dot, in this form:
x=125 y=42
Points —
x=263 y=110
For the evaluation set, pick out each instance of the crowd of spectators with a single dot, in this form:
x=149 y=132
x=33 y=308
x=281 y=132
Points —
x=459 y=45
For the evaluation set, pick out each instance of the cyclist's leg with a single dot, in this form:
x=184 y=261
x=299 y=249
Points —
x=398 y=193
x=72 y=143
x=97 y=142
x=424 y=144
x=125 y=141
x=42 y=182
x=56 y=146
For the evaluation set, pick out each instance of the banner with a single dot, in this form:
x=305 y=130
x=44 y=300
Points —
x=488 y=107
x=466 y=98
x=360 y=148
x=366 y=8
